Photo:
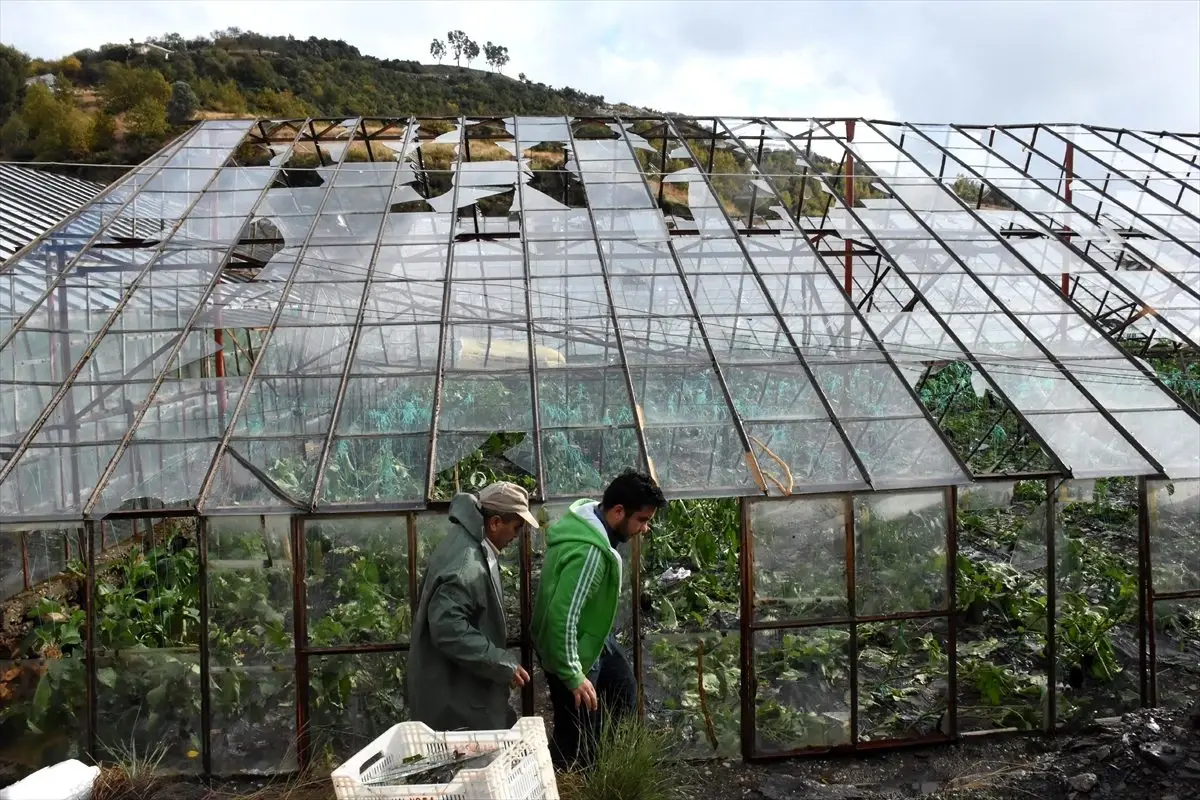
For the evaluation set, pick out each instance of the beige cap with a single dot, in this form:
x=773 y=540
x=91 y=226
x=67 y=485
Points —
x=507 y=498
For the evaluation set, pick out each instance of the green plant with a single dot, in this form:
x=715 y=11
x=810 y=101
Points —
x=632 y=762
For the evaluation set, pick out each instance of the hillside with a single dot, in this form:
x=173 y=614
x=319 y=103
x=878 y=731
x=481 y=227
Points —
x=119 y=103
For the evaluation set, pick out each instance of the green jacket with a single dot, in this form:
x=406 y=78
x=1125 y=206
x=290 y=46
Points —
x=577 y=598
x=458 y=668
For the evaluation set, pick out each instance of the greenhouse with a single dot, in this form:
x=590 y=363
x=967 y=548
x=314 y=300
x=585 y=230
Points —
x=924 y=399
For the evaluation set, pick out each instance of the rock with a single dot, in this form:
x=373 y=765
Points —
x=1102 y=753
x=930 y=787
x=1083 y=782
x=1163 y=755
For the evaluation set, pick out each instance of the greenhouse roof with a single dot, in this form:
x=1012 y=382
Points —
x=321 y=315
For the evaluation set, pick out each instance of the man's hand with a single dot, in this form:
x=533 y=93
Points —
x=520 y=676
x=586 y=694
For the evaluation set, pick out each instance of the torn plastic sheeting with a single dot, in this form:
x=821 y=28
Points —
x=405 y=194
x=706 y=211
x=680 y=152
x=685 y=175
x=530 y=199
x=490 y=173
x=535 y=130
x=636 y=140
x=449 y=137
x=467 y=195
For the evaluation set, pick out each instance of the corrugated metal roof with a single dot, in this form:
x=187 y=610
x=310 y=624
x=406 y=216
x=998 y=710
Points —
x=32 y=201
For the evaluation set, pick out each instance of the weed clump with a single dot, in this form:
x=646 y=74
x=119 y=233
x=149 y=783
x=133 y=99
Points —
x=632 y=762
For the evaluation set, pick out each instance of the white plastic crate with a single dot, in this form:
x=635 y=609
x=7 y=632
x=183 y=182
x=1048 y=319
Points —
x=522 y=770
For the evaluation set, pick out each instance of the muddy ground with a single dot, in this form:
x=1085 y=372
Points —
x=1145 y=755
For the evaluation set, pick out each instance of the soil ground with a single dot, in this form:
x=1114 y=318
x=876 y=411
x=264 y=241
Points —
x=1145 y=755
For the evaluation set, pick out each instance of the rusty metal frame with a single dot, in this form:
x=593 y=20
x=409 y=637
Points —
x=268 y=334
x=934 y=313
x=1064 y=238
x=850 y=622
x=826 y=405
x=967 y=272
x=92 y=535
x=356 y=331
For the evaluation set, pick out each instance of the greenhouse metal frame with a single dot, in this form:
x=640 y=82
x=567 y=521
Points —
x=246 y=325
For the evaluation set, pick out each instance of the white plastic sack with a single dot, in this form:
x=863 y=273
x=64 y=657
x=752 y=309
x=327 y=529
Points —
x=67 y=780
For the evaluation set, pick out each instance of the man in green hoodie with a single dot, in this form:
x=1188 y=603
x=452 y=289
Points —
x=459 y=670
x=575 y=609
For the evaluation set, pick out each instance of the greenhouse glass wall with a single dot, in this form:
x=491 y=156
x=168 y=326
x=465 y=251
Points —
x=923 y=398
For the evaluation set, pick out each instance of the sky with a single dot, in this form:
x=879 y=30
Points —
x=1125 y=64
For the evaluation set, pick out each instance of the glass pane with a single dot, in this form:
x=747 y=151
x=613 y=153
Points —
x=148 y=701
x=900 y=552
x=468 y=461
x=383 y=469
x=250 y=641
x=581 y=461
x=483 y=402
x=354 y=699
x=1171 y=437
x=357 y=578
x=583 y=397
x=864 y=390
x=899 y=453
x=799 y=559
x=1174 y=519
x=799 y=457
x=802 y=679
x=903 y=680
x=679 y=395
x=1177 y=652
x=707 y=459
x=59 y=715
x=1001 y=597
x=387 y=405
x=673 y=664
x=1096 y=600
x=1088 y=445
x=776 y=392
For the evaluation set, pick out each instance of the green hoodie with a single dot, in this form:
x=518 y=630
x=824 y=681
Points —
x=577 y=598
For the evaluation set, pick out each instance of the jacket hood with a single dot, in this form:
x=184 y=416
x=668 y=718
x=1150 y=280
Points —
x=580 y=524
x=464 y=511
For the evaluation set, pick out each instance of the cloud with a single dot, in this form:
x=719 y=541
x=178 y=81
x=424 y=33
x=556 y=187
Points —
x=978 y=61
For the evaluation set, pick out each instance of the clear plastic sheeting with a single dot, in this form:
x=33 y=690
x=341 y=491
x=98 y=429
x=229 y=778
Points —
x=331 y=315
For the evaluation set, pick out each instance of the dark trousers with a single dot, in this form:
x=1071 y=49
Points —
x=576 y=730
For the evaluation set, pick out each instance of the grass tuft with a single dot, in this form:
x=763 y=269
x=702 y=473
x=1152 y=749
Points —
x=134 y=775
x=632 y=762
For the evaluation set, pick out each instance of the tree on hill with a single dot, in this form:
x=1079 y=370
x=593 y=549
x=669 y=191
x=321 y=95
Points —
x=458 y=42
x=242 y=73
x=437 y=49
x=57 y=130
x=148 y=118
x=496 y=56
x=124 y=87
x=13 y=66
x=470 y=51
x=183 y=103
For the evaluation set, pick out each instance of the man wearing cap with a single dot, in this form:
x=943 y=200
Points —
x=459 y=670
